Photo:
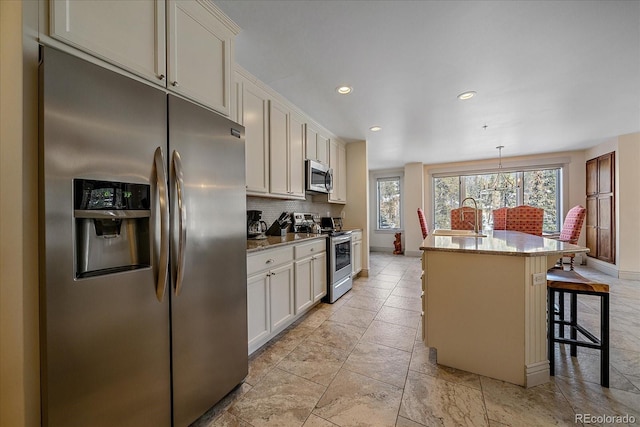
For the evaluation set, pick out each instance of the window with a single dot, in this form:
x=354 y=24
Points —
x=388 y=203
x=536 y=187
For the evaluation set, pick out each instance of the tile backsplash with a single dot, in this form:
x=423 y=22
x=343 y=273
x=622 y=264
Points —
x=272 y=208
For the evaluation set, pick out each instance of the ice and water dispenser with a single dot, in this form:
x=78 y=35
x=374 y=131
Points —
x=112 y=226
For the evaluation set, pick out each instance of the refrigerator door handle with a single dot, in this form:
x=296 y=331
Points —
x=163 y=264
x=182 y=209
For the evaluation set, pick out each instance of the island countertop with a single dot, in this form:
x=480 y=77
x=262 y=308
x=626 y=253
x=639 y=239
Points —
x=500 y=242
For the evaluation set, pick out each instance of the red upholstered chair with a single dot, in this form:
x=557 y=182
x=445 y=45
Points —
x=423 y=223
x=462 y=218
x=525 y=219
x=572 y=227
x=500 y=219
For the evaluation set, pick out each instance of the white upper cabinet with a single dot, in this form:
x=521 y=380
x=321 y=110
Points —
x=279 y=142
x=316 y=146
x=296 y=155
x=131 y=35
x=286 y=152
x=338 y=162
x=253 y=114
x=199 y=49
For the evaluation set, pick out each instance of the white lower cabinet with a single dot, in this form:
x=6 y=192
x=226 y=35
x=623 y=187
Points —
x=281 y=287
x=258 y=320
x=281 y=296
x=319 y=284
x=356 y=252
x=311 y=275
x=304 y=277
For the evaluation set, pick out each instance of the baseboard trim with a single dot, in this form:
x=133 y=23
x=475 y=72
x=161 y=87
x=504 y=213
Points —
x=537 y=373
x=629 y=275
x=603 y=267
x=381 y=249
x=415 y=254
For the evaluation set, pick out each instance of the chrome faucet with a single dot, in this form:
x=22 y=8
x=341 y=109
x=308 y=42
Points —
x=475 y=213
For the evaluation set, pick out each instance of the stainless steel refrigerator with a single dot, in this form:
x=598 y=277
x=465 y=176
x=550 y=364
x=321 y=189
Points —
x=143 y=251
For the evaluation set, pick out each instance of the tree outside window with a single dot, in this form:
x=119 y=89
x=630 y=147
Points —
x=389 y=203
x=539 y=188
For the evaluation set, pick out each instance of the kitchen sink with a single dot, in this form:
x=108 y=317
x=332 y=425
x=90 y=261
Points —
x=457 y=233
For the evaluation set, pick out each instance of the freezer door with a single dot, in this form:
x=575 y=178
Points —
x=104 y=335
x=209 y=303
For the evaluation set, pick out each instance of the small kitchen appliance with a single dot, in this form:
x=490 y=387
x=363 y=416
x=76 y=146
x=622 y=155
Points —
x=319 y=177
x=255 y=227
x=305 y=223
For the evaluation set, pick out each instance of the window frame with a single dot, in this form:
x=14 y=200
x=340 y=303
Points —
x=387 y=178
x=520 y=172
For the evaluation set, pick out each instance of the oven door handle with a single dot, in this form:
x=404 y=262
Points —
x=340 y=239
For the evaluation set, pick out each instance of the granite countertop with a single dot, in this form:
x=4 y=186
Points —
x=254 y=245
x=499 y=242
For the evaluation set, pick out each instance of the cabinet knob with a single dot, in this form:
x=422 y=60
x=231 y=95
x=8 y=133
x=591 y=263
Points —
x=269 y=261
x=161 y=77
x=175 y=83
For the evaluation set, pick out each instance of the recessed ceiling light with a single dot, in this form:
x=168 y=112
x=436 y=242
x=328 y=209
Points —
x=375 y=128
x=344 y=90
x=467 y=95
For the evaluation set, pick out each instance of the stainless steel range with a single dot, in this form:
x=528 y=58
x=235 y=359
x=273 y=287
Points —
x=339 y=265
x=338 y=249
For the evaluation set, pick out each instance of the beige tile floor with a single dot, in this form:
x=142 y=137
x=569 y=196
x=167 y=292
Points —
x=360 y=362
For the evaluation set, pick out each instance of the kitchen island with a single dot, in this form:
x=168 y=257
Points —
x=485 y=302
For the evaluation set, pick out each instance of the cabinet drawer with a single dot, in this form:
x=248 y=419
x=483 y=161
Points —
x=356 y=236
x=268 y=259
x=311 y=248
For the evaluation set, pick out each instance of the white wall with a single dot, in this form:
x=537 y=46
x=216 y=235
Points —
x=382 y=240
x=356 y=211
x=19 y=359
x=627 y=203
x=573 y=164
x=628 y=208
x=413 y=199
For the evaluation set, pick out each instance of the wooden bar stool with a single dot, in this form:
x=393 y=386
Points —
x=560 y=282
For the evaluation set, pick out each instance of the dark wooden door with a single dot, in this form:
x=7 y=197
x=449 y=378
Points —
x=600 y=223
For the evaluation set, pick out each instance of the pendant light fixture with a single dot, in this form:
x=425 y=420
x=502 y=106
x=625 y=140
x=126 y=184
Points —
x=503 y=182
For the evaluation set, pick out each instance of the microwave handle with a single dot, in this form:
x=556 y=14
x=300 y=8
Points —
x=328 y=180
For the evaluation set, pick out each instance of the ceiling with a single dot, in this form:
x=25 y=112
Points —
x=549 y=75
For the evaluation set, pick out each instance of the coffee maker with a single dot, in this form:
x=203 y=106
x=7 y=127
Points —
x=255 y=227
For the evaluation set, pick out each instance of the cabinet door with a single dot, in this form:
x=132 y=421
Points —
x=322 y=148
x=333 y=164
x=605 y=250
x=258 y=308
x=129 y=34
x=255 y=115
x=199 y=48
x=338 y=162
x=304 y=279
x=281 y=295
x=342 y=169
x=278 y=140
x=296 y=156
x=319 y=276
x=310 y=143
x=591 y=226
x=592 y=177
x=357 y=256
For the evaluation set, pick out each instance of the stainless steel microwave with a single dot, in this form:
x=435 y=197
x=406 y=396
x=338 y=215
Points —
x=319 y=177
